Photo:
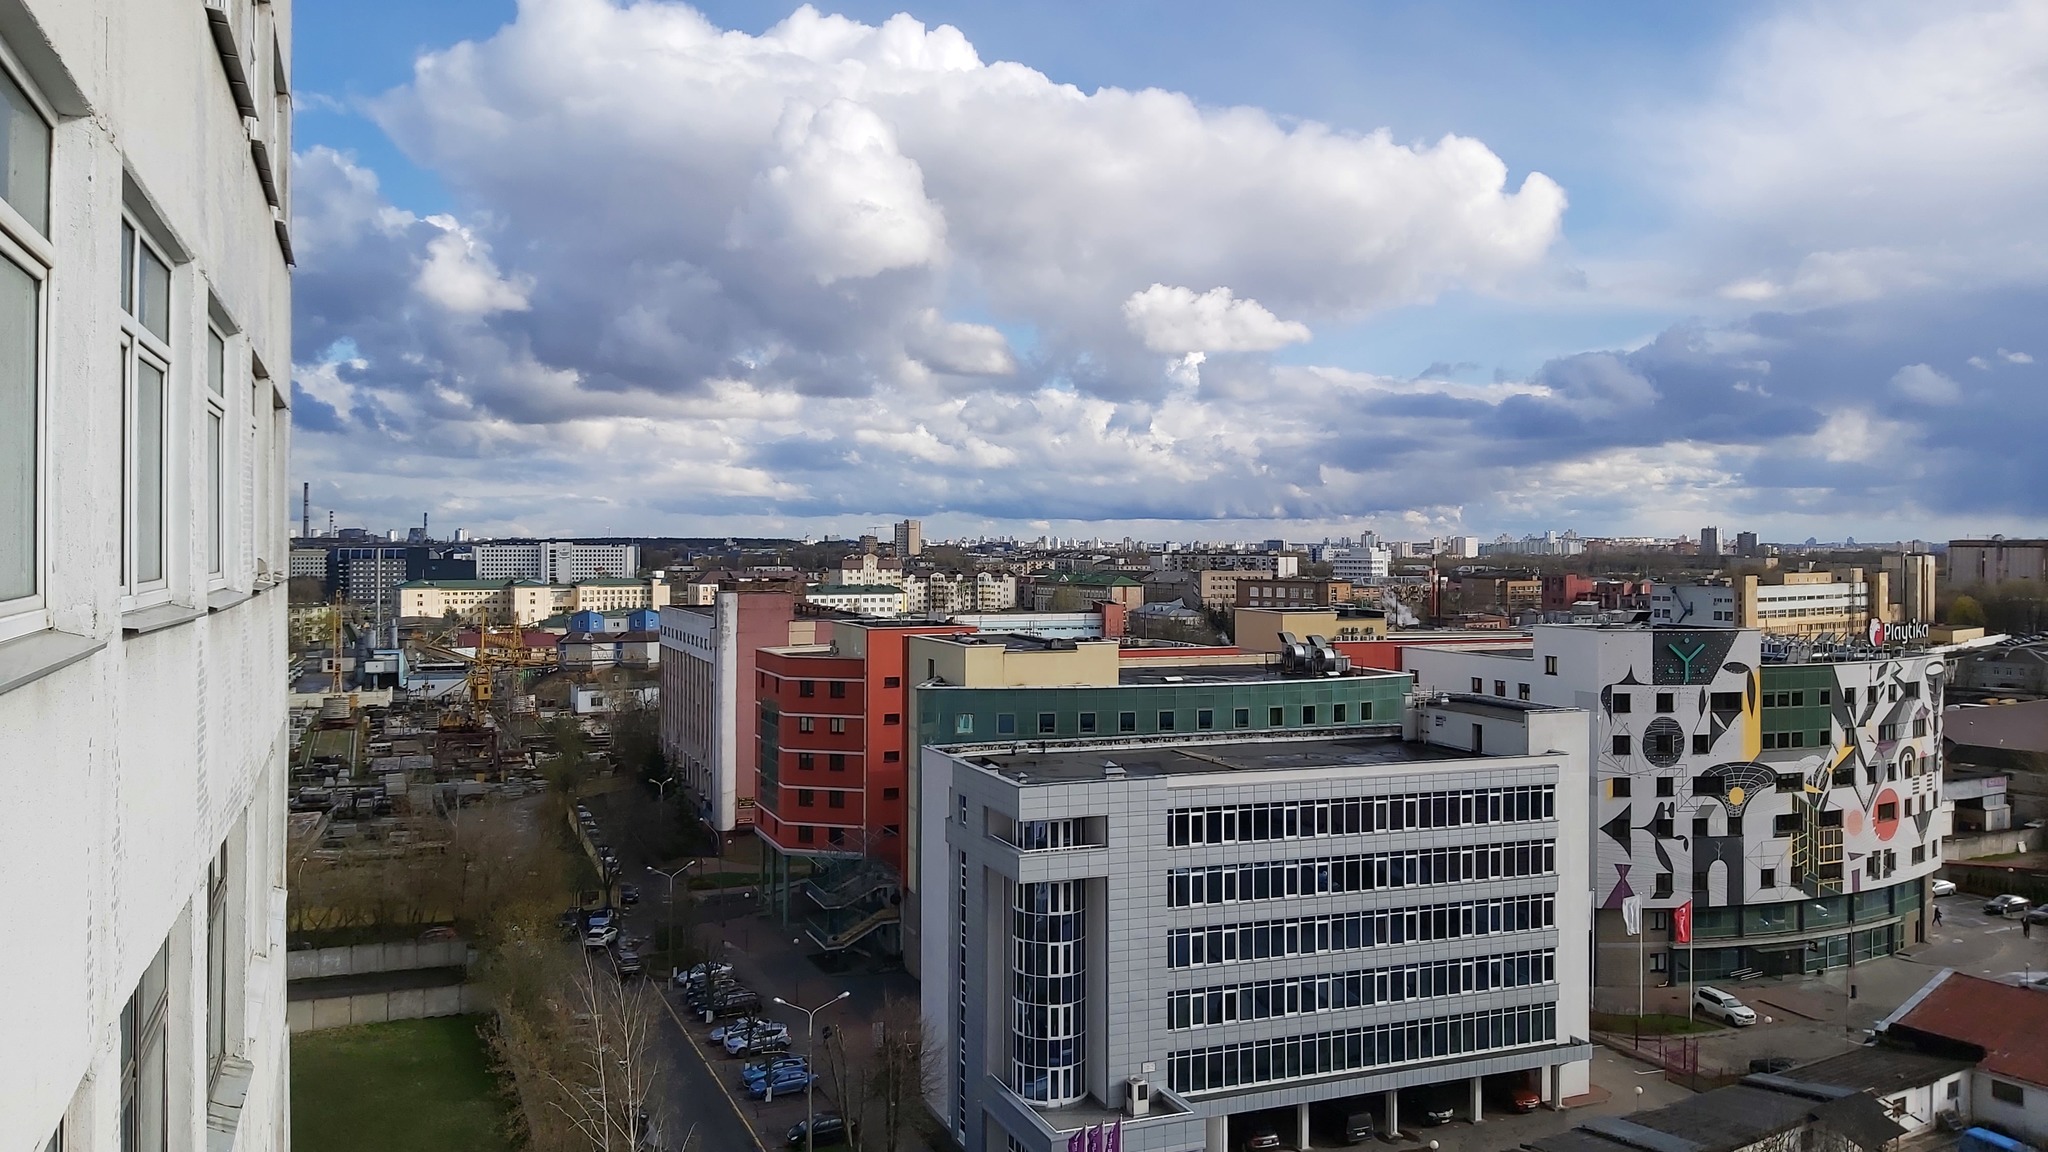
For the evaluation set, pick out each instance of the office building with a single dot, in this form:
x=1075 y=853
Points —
x=880 y=600
x=556 y=561
x=1912 y=586
x=1301 y=592
x=909 y=539
x=1746 y=544
x=1359 y=565
x=1996 y=560
x=1797 y=807
x=1231 y=926
x=524 y=602
x=145 y=348
x=710 y=692
x=1710 y=543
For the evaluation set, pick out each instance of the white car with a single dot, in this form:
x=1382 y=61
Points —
x=1723 y=1007
x=1944 y=887
x=600 y=937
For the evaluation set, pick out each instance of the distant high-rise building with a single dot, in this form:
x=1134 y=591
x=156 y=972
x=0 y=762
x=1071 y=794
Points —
x=556 y=561
x=909 y=538
x=1746 y=544
x=1710 y=541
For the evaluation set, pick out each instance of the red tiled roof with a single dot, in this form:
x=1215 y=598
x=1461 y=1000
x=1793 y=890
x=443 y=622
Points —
x=2008 y=1023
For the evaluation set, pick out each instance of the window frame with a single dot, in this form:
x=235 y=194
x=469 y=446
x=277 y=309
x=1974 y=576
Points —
x=30 y=250
x=217 y=457
x=139 y=344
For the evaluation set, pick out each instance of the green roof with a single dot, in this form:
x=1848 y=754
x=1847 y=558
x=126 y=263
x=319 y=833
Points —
x=1099 y=579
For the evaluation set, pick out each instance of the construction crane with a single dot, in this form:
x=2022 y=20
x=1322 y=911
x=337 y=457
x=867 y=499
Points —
x=496 y=650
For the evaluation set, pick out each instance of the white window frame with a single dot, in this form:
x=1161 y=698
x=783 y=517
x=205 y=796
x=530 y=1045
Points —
x=217 y=460
x=137 y=344
x=29 y=250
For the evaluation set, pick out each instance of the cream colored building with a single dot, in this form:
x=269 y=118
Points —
x=1258 y=629
x=987 y=660
x=879 y=600
x=1912 y=586
x=525 y=602
x=1219 y=585
x=944 y=593
x=1844 y=601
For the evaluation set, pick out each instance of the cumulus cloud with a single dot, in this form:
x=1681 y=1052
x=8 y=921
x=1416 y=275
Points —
x=1176 y=320
x=1922 y=383
x=459 y=276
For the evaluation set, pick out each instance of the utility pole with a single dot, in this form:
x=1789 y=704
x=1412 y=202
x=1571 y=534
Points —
x=811 y=1052
x=671 y=877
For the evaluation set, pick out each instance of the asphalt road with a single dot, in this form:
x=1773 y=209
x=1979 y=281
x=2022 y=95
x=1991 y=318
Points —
x=698 y=1098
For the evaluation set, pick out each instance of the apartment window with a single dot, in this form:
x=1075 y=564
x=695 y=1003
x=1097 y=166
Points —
x=1849 y=696
x=1702 y=743
x=215 y=519
x=807 y=688
x=1006 y=724
x=806 y=762
x=217 y=961
x=1725 y=701
x=806 y=724
x=1826 y=696
x=1521 y=691
x=1127 y=721
x=1241 y=718
x=144 y=1084
x=835 y=836
x=1621 y=744
x=1699 y=883
x=806 y=798
x=1666 y=786
x=1550 y=665
x=1785 y=824
x=1338 y=712
x=835 y=762
x=804 y=834
x=836 y=690
x=892 y=793
x=890 y=719
x=145 y=366
x=1920 y=726
x=836 y=725
x=1166 y=721
x=2007 y=1093
x=1048 y=722
x=1205 y=718
x=835 y=799
x=1087 y=723
x=892 y=756
x=1666 y=702
x=1478 y=685
x=1622 y=702
x=1308 y=714
x=1700 y=826
x=1276 y=717
x=1660 y=920
x=1500 y=688
x=1768 y=878
x=1657 y=960
x=1620 y=787
x=1889 y=811
x=892 y=681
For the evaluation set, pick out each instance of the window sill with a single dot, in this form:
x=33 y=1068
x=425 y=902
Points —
x=222 y=599
x=145 y=620
x=36 y=655
x=224 y=1103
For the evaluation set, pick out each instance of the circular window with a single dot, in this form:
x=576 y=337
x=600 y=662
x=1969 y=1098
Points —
x=1663 y=742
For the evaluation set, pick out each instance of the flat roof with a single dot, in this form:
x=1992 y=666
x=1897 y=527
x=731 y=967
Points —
x=1878 y=1068
x=1066 y=764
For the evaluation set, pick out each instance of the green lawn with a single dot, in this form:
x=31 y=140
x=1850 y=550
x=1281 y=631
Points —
x=422 y=1085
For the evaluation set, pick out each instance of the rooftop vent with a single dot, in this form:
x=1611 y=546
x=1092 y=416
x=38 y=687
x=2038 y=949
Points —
x=1111 y=770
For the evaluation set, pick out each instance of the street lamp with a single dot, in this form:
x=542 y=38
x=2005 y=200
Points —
x=671 y=877
x=811 y=1074
x=661 y=789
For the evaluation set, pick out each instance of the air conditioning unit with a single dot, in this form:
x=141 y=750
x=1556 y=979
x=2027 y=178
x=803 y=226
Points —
x=1138 y=1096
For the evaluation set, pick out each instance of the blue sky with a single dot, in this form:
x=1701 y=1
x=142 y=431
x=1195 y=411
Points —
x=1418 y=267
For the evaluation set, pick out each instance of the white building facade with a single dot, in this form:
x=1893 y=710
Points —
x=145 y=303
x=556 y=561
x=1253 y=928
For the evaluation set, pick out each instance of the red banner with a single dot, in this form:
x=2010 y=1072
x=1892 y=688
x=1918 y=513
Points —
x=1681 y=923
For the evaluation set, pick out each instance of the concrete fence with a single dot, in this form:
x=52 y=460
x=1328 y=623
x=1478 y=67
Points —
x=363 y=959
x=374 y=983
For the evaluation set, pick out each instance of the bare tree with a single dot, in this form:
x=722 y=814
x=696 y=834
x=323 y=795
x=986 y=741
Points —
x=881 y=1076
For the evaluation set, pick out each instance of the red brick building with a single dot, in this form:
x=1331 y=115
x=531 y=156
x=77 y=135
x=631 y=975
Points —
x=834 y=741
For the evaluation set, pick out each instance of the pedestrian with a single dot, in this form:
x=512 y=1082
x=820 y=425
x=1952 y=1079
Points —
x=1937 y=915
x=2026 y=927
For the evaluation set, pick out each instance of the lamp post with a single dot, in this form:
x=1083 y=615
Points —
x=671 y=877
x=810 y=1074
x=661 y=789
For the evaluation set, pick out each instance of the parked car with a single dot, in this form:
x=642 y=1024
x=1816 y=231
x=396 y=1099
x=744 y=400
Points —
x=781 y=1083
x=600 y=937
x=761 y=1070
x=830 y=1132
x=599 y=917
x=1944 y=887
x=1514 y=1092
x=757 y=1041
x=627 y=963
x=1263 y=1136
x=629 y=894
x=1343 y=1122
x=698 y=973
x=1773 y=1064
x=1711 y=1001
x=1432 y=1105
x=742 y=1024
x=2037 y=915
x=2007 y=905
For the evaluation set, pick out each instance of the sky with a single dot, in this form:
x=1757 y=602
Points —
x=1178 y=271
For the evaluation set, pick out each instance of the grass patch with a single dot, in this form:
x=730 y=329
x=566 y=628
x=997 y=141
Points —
x=1653 y=1024
x=406 y=1086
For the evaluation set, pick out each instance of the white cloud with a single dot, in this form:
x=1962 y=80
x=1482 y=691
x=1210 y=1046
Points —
x=459 y=276
x=1922 y=383
x=1176 y=320
x=960 y=348
x=2014 y=357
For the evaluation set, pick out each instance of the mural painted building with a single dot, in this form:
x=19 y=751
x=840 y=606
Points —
x=1797 y=807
